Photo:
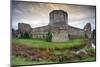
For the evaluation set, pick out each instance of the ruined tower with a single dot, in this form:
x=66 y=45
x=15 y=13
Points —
x=87 y=30
x=58 y=25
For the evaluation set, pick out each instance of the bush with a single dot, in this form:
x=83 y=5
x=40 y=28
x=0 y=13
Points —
x=25 y=35
x=49 y=37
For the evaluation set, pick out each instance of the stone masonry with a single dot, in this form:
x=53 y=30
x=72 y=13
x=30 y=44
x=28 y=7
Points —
x=58 y=26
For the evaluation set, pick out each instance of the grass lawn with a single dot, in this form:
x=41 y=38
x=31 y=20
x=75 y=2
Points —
x=44 y=44
x=24 y=61
x=89 y=59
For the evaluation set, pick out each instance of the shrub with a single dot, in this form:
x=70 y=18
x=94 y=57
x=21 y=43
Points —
x=49 y=37
x=25 y=35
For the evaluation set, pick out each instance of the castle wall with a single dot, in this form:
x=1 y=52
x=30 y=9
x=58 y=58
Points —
x=61 y=36
x=24 y=29
x=39 y=32
x=75 y=32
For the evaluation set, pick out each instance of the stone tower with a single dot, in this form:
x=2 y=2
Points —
x=58 y=17
x=58 y=25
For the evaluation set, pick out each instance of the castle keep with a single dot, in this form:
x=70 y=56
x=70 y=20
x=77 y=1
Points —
x=58 y=26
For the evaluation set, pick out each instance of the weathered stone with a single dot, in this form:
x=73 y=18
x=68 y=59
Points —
x=24 y=29
x=75 y=32
x=58 y=25
x=58 y=17
x=87 y=30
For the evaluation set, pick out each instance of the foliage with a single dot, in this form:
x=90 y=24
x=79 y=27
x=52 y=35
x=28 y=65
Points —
x=25 y=35
x=49 y=37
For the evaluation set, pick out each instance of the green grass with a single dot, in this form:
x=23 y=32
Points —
x=56 y=52
x=44 y=44
x=24 y=61
x=89 y=58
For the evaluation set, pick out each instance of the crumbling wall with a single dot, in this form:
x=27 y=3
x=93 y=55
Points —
x=75 y=32
x=87 y=30
x=40 y=32
x=24 y=30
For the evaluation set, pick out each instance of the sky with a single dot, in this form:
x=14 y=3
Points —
x=37 y=14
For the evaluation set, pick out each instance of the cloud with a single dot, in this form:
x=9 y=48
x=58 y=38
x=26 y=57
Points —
x=37 y=14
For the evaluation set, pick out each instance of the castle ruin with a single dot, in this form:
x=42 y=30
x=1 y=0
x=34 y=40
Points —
x=58 y=26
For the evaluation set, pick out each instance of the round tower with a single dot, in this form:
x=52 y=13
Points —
x=58 y=17
x=58 y=25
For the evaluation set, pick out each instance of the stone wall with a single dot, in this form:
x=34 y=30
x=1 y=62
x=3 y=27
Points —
x=23 y=29
x=75 y=32
x=40 y=32
x=60 y=36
